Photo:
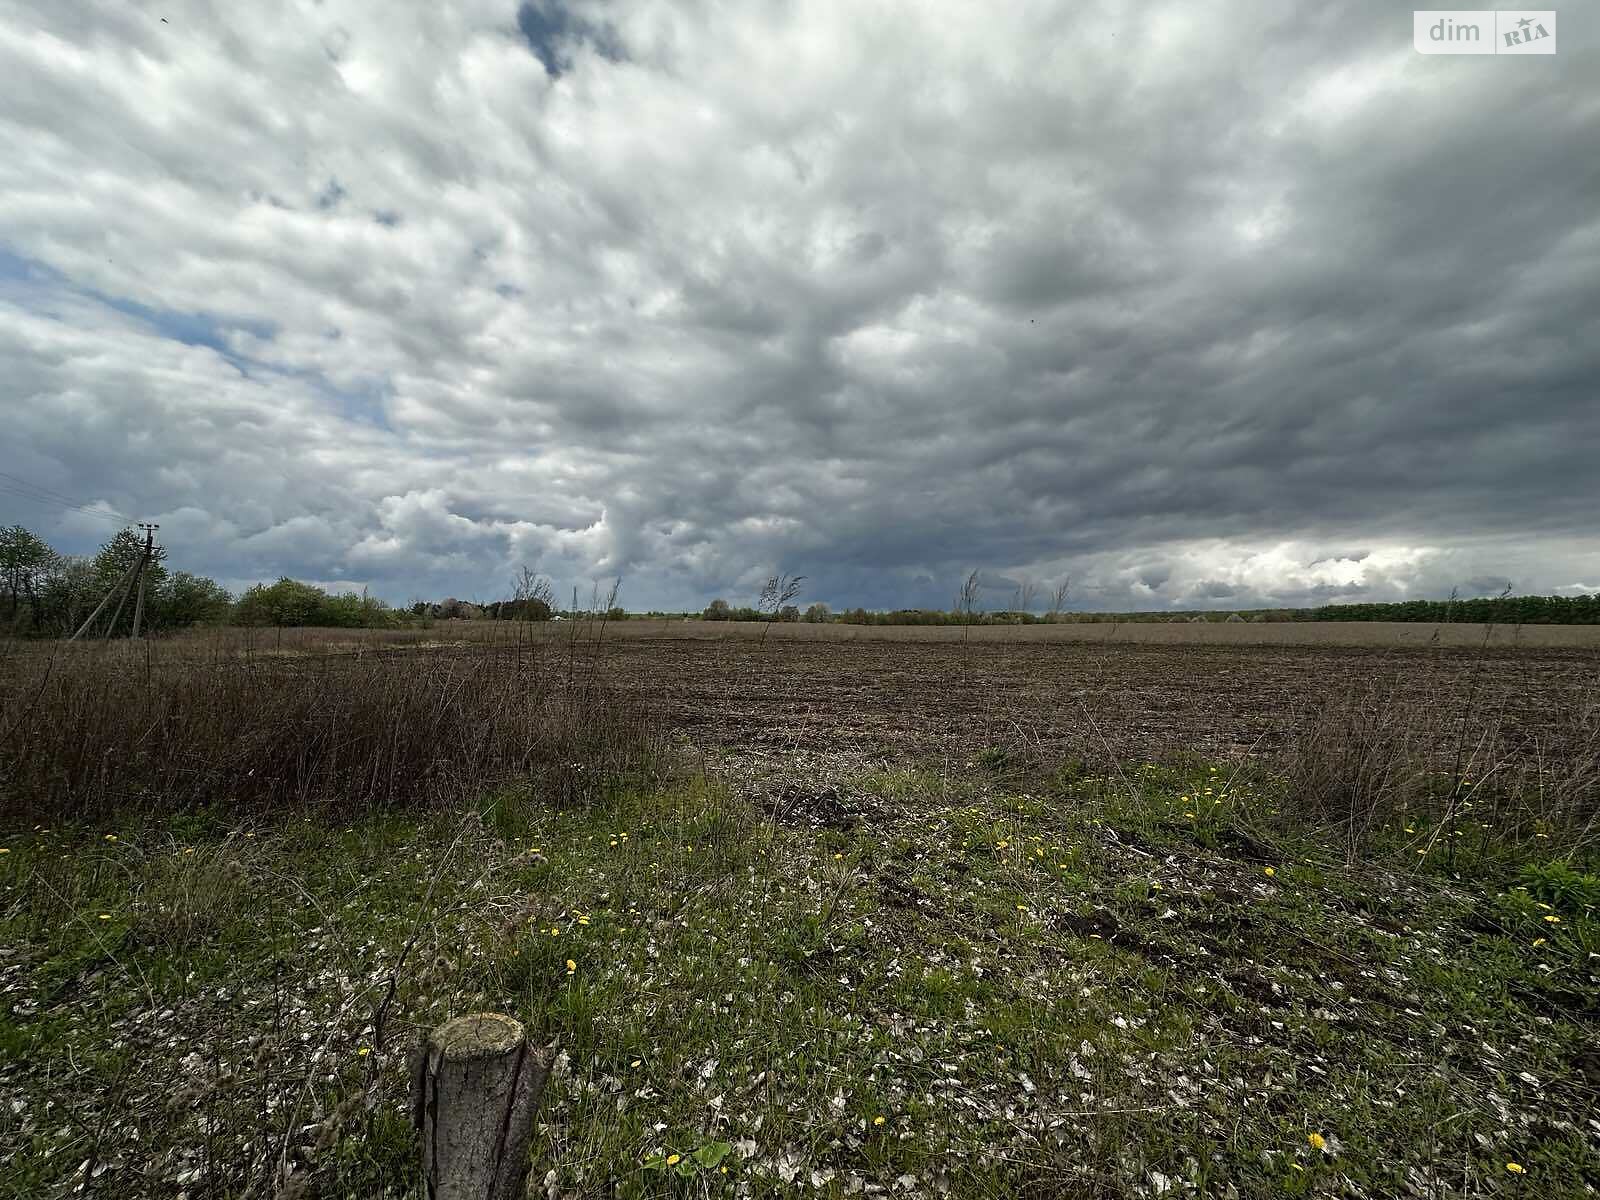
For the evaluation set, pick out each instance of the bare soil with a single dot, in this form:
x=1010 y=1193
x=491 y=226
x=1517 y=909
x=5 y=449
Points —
x=889 y=691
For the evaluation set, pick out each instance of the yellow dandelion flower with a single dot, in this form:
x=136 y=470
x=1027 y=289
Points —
x=1268 y=871
x=1318 y=1142
x=1022 y=908
x=1538 y=941
x=1552 y=918
x=363 y=1052
x=1516 y=1168
x=555 y=931
x=572 y=967
x=674 y=1159
x=878 y=1120
x=111 y=837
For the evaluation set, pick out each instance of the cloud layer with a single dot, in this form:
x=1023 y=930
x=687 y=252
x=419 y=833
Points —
x=1202 y=304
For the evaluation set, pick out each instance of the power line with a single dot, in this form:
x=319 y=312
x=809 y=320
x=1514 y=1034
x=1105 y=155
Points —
x=88 y=512
x=38 y=494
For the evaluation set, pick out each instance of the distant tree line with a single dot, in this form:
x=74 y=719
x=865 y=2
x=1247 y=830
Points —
x=1500 y=610
x=1503 y=610
x=45 y=593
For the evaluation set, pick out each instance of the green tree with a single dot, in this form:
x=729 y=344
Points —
x=718 y=610
x=120 y=553
x=24 y=560
x=191 y=600
x=287 y=602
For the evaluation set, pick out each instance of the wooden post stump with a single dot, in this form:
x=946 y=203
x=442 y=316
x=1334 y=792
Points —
x=476 y=1085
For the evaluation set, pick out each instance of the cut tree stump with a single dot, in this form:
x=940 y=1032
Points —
x=475 y=1087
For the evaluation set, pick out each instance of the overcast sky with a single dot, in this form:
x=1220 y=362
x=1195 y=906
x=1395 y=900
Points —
x=1201 y=304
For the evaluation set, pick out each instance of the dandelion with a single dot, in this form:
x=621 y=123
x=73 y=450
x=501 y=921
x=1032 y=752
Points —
x=1516 y=1168
x=1318 y=1142
x=572 y=967
x=111 y=837
x=674 y=1159
x=1538 y=941
x=1268 y=872
x=878 y=1120
x=363 y=1052
x=1552 y=918
x=837 y=857
x=555 y=931
x=1022 y=908
x=1001 y=845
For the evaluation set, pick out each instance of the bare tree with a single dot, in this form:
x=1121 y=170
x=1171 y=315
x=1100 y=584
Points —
x=1022 y=599
x=1058 y=599
x=776 y=593
x=527 y=588
x=967 y=601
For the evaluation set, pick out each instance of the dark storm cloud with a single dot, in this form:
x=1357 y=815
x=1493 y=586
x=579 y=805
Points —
x=1198 y=304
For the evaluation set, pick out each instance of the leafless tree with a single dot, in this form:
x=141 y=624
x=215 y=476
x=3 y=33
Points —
x=528 y=586
x=1027 y=591
x=1058 y=599
x=967 y=602
x=776 y=593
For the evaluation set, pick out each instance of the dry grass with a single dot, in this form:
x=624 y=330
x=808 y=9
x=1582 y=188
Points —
x=99 y=729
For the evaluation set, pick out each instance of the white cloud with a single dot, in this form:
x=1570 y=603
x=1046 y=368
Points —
x=871 y=292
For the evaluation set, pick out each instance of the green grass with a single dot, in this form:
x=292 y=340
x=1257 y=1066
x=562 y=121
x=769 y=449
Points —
x=1080 y=985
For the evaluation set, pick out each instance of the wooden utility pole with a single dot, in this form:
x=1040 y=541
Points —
x=122 y=582
x=124 y=585
x=144 y=561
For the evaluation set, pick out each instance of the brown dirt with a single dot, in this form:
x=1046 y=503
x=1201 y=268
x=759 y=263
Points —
x=900 y=694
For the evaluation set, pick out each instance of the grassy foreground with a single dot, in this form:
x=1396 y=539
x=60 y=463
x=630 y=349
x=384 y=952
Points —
x=879 y=982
